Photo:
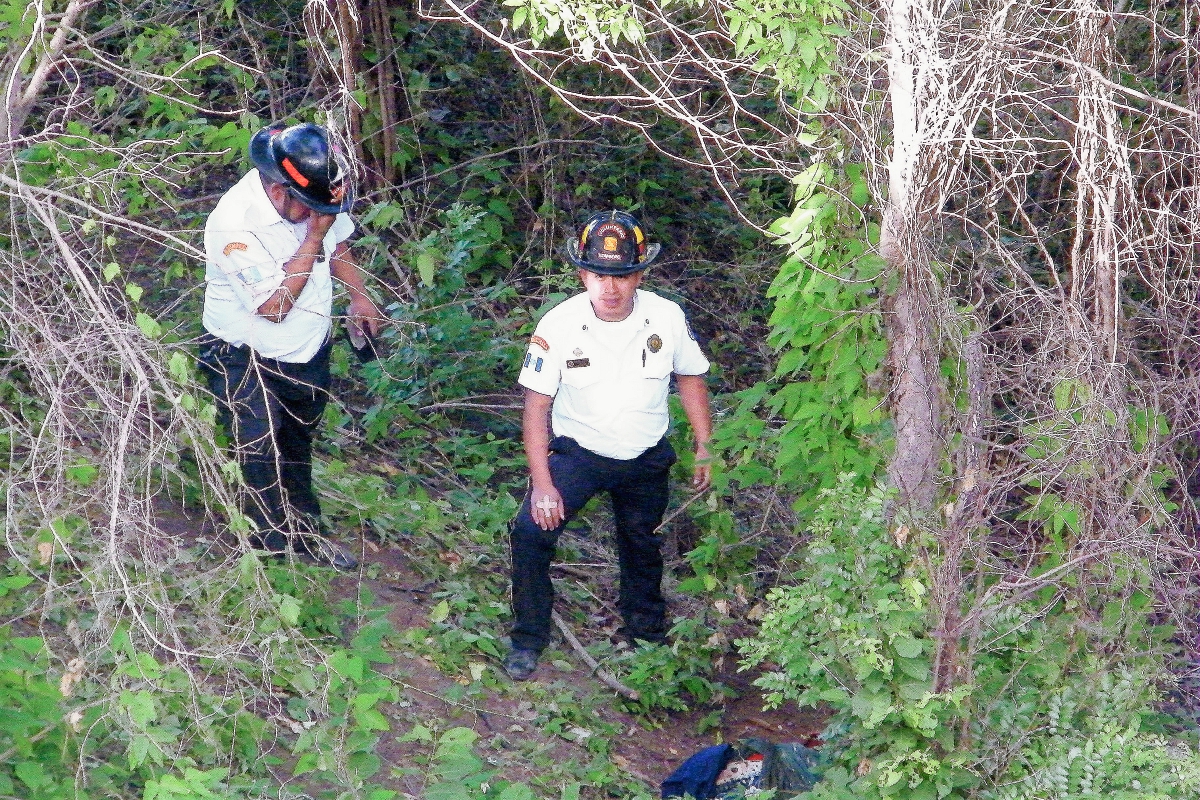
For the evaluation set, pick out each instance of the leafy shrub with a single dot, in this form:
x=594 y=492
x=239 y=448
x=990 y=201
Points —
x=456 y=340
x=826 y=419
x=674 y=677
x=1040 y=719
x=458 y=773
x=32 y=725
x=853 y=634
x=1086 y=740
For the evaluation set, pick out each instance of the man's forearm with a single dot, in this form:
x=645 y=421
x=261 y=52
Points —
x=693 y=394
x=296 y=273
x=536 y=435
x=344 y=267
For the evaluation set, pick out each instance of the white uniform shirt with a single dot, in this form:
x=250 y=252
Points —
x=246 y=244
x=610 y=380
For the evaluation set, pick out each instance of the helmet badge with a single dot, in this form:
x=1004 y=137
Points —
x=610 y=244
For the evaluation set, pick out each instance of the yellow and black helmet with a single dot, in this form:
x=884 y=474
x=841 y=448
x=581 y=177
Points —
x=611 y=243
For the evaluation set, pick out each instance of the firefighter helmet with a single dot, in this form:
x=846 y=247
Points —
x=611 y=243
x=304 y=160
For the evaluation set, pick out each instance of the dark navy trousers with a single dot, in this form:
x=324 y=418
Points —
x=638 y=488
x=271 y=409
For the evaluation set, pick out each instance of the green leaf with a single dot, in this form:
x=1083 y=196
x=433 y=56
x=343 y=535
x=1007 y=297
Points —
x=348 y=666
x=440 y=612
x=140 y=706
x=906 y=647
x=289 y=609
x=916 y=668
x=419 y=733
x=372 y=720
x=111 y=271
x=463 y=737
x=81 y=473
x=178 y=366
x=306 y=763
x=31 y=774
x=139 y=749
x=426 y=264
x=516 y=791
x=135 y=293
x=448 y=790
x=148 y=325
x=808 y=53
x=14 y=582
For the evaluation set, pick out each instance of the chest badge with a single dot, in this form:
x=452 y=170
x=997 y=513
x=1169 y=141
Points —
x=577 y=352
x=654 y=343
x=576 y=363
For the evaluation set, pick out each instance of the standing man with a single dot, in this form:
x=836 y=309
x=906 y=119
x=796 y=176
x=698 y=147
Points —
x=600 y=364
x=272 y=244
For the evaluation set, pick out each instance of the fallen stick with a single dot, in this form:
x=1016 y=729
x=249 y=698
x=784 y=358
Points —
x=603 y=675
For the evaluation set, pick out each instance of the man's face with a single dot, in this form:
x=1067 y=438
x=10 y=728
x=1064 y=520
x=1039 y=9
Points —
x=287 y=206
x=612 y=296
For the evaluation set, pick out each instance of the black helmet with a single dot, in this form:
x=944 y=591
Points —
x=303 y=159
x=611 y=243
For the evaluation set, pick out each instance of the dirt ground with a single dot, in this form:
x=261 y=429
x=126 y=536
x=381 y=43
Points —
x=649 y=754
x=647 y=750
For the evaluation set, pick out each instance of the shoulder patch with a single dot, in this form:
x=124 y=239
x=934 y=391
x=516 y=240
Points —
x=229 y=248
x=540 y=342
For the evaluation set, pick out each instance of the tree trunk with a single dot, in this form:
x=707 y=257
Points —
x=916 y=391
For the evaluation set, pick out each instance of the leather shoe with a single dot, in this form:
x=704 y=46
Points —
x=520 y=664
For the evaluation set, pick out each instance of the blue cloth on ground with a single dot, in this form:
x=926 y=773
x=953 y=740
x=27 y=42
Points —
x=698 y=775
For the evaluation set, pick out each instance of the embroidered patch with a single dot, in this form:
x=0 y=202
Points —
x=572 y=363
x=654 y=343
x=528 y=358
x=229 y=248
x=537 y=367
x=540 y=342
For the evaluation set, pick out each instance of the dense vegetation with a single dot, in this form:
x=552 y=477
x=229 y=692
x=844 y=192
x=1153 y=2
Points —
x=941 y=257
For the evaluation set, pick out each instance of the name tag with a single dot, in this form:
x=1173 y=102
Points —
x=572 y=363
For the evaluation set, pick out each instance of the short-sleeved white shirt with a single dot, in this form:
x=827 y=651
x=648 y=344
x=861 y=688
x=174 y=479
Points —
x=246 y=244
x=610 y=380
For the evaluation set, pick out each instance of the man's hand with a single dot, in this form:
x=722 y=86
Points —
x=319 y=225
x=546 y=506
x=364 y=315
x=702 y=471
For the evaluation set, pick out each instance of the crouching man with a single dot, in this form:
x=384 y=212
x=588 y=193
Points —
x=597 y=373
